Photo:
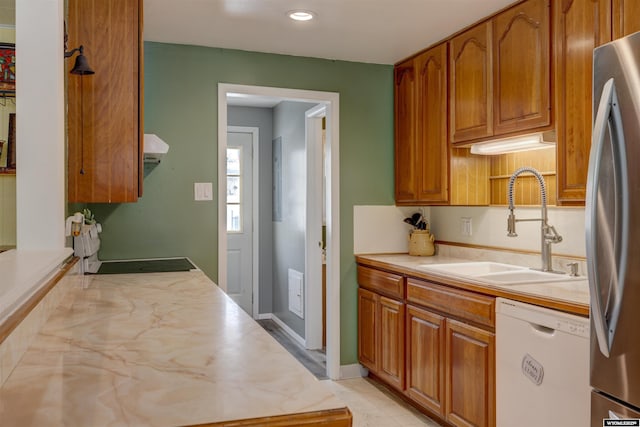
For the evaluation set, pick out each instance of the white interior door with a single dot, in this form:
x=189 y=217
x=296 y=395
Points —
x=240 y=219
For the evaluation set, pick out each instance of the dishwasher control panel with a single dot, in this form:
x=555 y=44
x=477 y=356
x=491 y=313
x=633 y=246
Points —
x=544 y=317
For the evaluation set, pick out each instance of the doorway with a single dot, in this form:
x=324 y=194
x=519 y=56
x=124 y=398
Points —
x=241 y=209
x=330 y=102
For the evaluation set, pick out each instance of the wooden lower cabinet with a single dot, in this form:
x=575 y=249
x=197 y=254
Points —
x=381 y=337
x=436 y=345
x=391 y=367
x=367 y=325
x=450 y=368
x=470 y=375
x=425 y=358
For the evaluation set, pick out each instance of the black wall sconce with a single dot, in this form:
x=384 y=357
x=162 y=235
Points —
x=81 y=66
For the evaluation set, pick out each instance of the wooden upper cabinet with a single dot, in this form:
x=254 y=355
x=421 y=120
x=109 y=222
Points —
x=405 y=132
x=105 y=109
x=422 y=157
x=626 y=17
x=579 y=26
x=522 y=66
x=470 y=84
x=432 y=147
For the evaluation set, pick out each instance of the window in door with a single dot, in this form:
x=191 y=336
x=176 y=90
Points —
x=234 y=189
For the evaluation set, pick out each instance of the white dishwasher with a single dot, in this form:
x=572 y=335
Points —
x=542 y=367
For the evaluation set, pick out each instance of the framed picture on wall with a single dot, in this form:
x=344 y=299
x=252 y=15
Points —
x=11 y=140
x=7 y=69
x=4 y=148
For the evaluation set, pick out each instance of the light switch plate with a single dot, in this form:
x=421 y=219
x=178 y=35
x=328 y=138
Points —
x=203 y=190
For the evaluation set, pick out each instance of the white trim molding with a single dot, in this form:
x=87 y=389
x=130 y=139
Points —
x=355 y=370
x=288 y=330
x=332 y=156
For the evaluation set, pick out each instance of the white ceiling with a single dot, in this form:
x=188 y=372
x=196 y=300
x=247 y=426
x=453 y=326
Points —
x=374 y=31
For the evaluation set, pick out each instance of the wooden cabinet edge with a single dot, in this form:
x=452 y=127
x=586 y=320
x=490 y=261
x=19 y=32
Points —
x=465 y=306
x=140 y=98
x=340 y=417
x=470 y=142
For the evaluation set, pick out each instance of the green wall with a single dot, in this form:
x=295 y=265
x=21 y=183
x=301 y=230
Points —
x=181 y=107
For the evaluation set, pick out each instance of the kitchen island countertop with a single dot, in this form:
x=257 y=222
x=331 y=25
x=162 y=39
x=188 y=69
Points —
x=161 y=349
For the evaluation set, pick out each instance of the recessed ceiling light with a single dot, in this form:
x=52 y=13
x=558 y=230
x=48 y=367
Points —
x=301 y=15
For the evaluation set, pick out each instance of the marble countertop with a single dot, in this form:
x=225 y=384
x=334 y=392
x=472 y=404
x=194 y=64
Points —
x=22 y=271
x=570 y=295
x=161 y=349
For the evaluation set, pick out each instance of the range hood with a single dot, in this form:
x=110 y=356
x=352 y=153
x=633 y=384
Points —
x=154 y=148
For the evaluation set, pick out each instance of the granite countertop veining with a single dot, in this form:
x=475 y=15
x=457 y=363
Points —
x=573 y=294
x=161 y=349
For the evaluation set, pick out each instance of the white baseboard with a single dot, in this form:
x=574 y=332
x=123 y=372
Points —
x=353 y=371
x=285 y=327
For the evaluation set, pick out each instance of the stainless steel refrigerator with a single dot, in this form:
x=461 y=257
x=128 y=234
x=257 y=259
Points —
x=613 y=231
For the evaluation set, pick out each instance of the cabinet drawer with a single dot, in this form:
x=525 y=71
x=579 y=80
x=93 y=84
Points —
x=382 y=282
x=453 y=302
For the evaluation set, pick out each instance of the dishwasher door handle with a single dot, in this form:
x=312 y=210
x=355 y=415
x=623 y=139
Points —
x=544 y=330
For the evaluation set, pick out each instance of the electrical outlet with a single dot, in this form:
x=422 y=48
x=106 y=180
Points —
x=466 y=226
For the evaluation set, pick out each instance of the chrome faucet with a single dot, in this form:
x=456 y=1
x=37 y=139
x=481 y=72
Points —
x=548 y=233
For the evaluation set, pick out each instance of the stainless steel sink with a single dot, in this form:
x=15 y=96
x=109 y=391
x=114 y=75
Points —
x=526 y=276
x=472 y=269
x=497 y=273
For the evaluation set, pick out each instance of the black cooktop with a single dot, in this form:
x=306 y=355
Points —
x=159 y=265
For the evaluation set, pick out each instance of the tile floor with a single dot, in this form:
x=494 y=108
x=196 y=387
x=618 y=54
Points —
x=370 y=403
x=372 y=406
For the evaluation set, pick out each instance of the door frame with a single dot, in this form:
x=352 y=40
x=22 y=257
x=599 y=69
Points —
x=313 y=234
x=331 y=100
x=255 y=212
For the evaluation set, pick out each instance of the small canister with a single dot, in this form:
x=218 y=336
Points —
x=421 y=243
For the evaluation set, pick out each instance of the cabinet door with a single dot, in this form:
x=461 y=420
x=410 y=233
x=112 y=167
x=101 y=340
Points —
x=425 y=358
x=391 y=342
x=405 y=133
x=522 y=66
x=432 y=152
x=626 y=17
x=470 y=373
x=104 y=109
x=367 y=324
x=470 y=84
x=579 y=26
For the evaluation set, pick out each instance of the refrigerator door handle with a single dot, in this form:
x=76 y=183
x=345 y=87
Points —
x=608 y=114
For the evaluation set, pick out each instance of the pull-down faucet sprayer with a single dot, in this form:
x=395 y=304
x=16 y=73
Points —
x=548 y=233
